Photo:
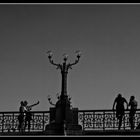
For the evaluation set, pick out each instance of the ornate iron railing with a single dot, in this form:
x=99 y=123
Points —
x=105 y=120
x=88 y=119
x=9 y=121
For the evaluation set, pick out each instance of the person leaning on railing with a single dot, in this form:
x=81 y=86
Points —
x=120 y=109
x=133 y=107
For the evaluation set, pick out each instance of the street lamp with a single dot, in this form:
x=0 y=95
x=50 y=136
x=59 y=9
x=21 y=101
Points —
x=64 y=67
x=64 y=102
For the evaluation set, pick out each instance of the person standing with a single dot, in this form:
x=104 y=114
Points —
x=120 y=109
x=133 y=107
x=28 y=116
x=21 y=117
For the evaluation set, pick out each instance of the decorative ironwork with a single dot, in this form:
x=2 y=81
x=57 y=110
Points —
x=104 y=120
x=88 y=119
x=9 y=121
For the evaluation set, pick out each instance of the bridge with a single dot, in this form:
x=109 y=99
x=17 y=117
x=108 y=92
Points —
x=93 y=122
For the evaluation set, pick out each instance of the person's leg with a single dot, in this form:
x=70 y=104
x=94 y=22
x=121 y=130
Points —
x=29 y=125
x=132 y=123
x=22 y=126
x=19 y=126
x=131 y=119
x=25 y=124
x=120 y=121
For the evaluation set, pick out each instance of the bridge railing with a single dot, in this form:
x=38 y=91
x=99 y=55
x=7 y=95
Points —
x=105 y=119
x=9 y=121
x=88 y=119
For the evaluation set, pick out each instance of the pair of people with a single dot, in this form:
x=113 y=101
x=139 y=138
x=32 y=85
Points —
x=120 y=109
x=25 y=115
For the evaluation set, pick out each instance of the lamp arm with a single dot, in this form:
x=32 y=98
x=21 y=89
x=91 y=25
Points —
x=58 y=65
x=74 y=63
x=51 y=102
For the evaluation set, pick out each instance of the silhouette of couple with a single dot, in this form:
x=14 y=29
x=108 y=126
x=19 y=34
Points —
x=120 y=109
x=25 y=115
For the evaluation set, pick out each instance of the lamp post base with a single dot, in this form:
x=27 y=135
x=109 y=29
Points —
x=58 y=129
x=69 y=127
x=54 y=129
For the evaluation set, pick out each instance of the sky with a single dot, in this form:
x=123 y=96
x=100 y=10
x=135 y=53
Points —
x=108 y=36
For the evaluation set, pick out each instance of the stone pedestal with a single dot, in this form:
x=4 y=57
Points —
x=56 y=126
x=54 y=129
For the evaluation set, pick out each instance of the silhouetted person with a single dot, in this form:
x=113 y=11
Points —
x=133 y=107
x=28 y=116
x=21 y=117
x=120 y=109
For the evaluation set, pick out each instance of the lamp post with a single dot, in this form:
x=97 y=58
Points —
x=64 y=67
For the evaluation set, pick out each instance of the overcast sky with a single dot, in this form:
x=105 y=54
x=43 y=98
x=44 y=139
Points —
x=107 y=34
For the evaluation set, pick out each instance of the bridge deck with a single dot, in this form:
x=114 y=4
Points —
x=90 y=133
x=113 y=132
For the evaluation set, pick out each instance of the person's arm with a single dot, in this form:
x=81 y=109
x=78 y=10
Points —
x=126 y=102
x=129 y=103
x=136 y=104
x=33 y=105
x=114 y=104
x=25 y=109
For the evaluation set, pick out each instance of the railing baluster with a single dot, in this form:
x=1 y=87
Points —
x=33 y=123
x=114 y=123
x=12 y=121
x=43 y=122
x=83 y=121
x=103 y=120
x=2 y=121
x=124 y=119
x=93 y=119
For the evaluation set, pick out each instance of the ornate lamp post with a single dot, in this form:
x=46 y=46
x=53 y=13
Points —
x=64 y=103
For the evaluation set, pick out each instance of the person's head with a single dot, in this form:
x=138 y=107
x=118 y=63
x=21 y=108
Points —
x=21 y=103
x=119 y=95
x=132 y=97
x=25 y=103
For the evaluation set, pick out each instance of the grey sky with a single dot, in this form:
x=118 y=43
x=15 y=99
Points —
x=107 y=35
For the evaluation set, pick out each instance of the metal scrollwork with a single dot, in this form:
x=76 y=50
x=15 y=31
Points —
x=105 y=120
x=9 y=121
x=89 y=120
